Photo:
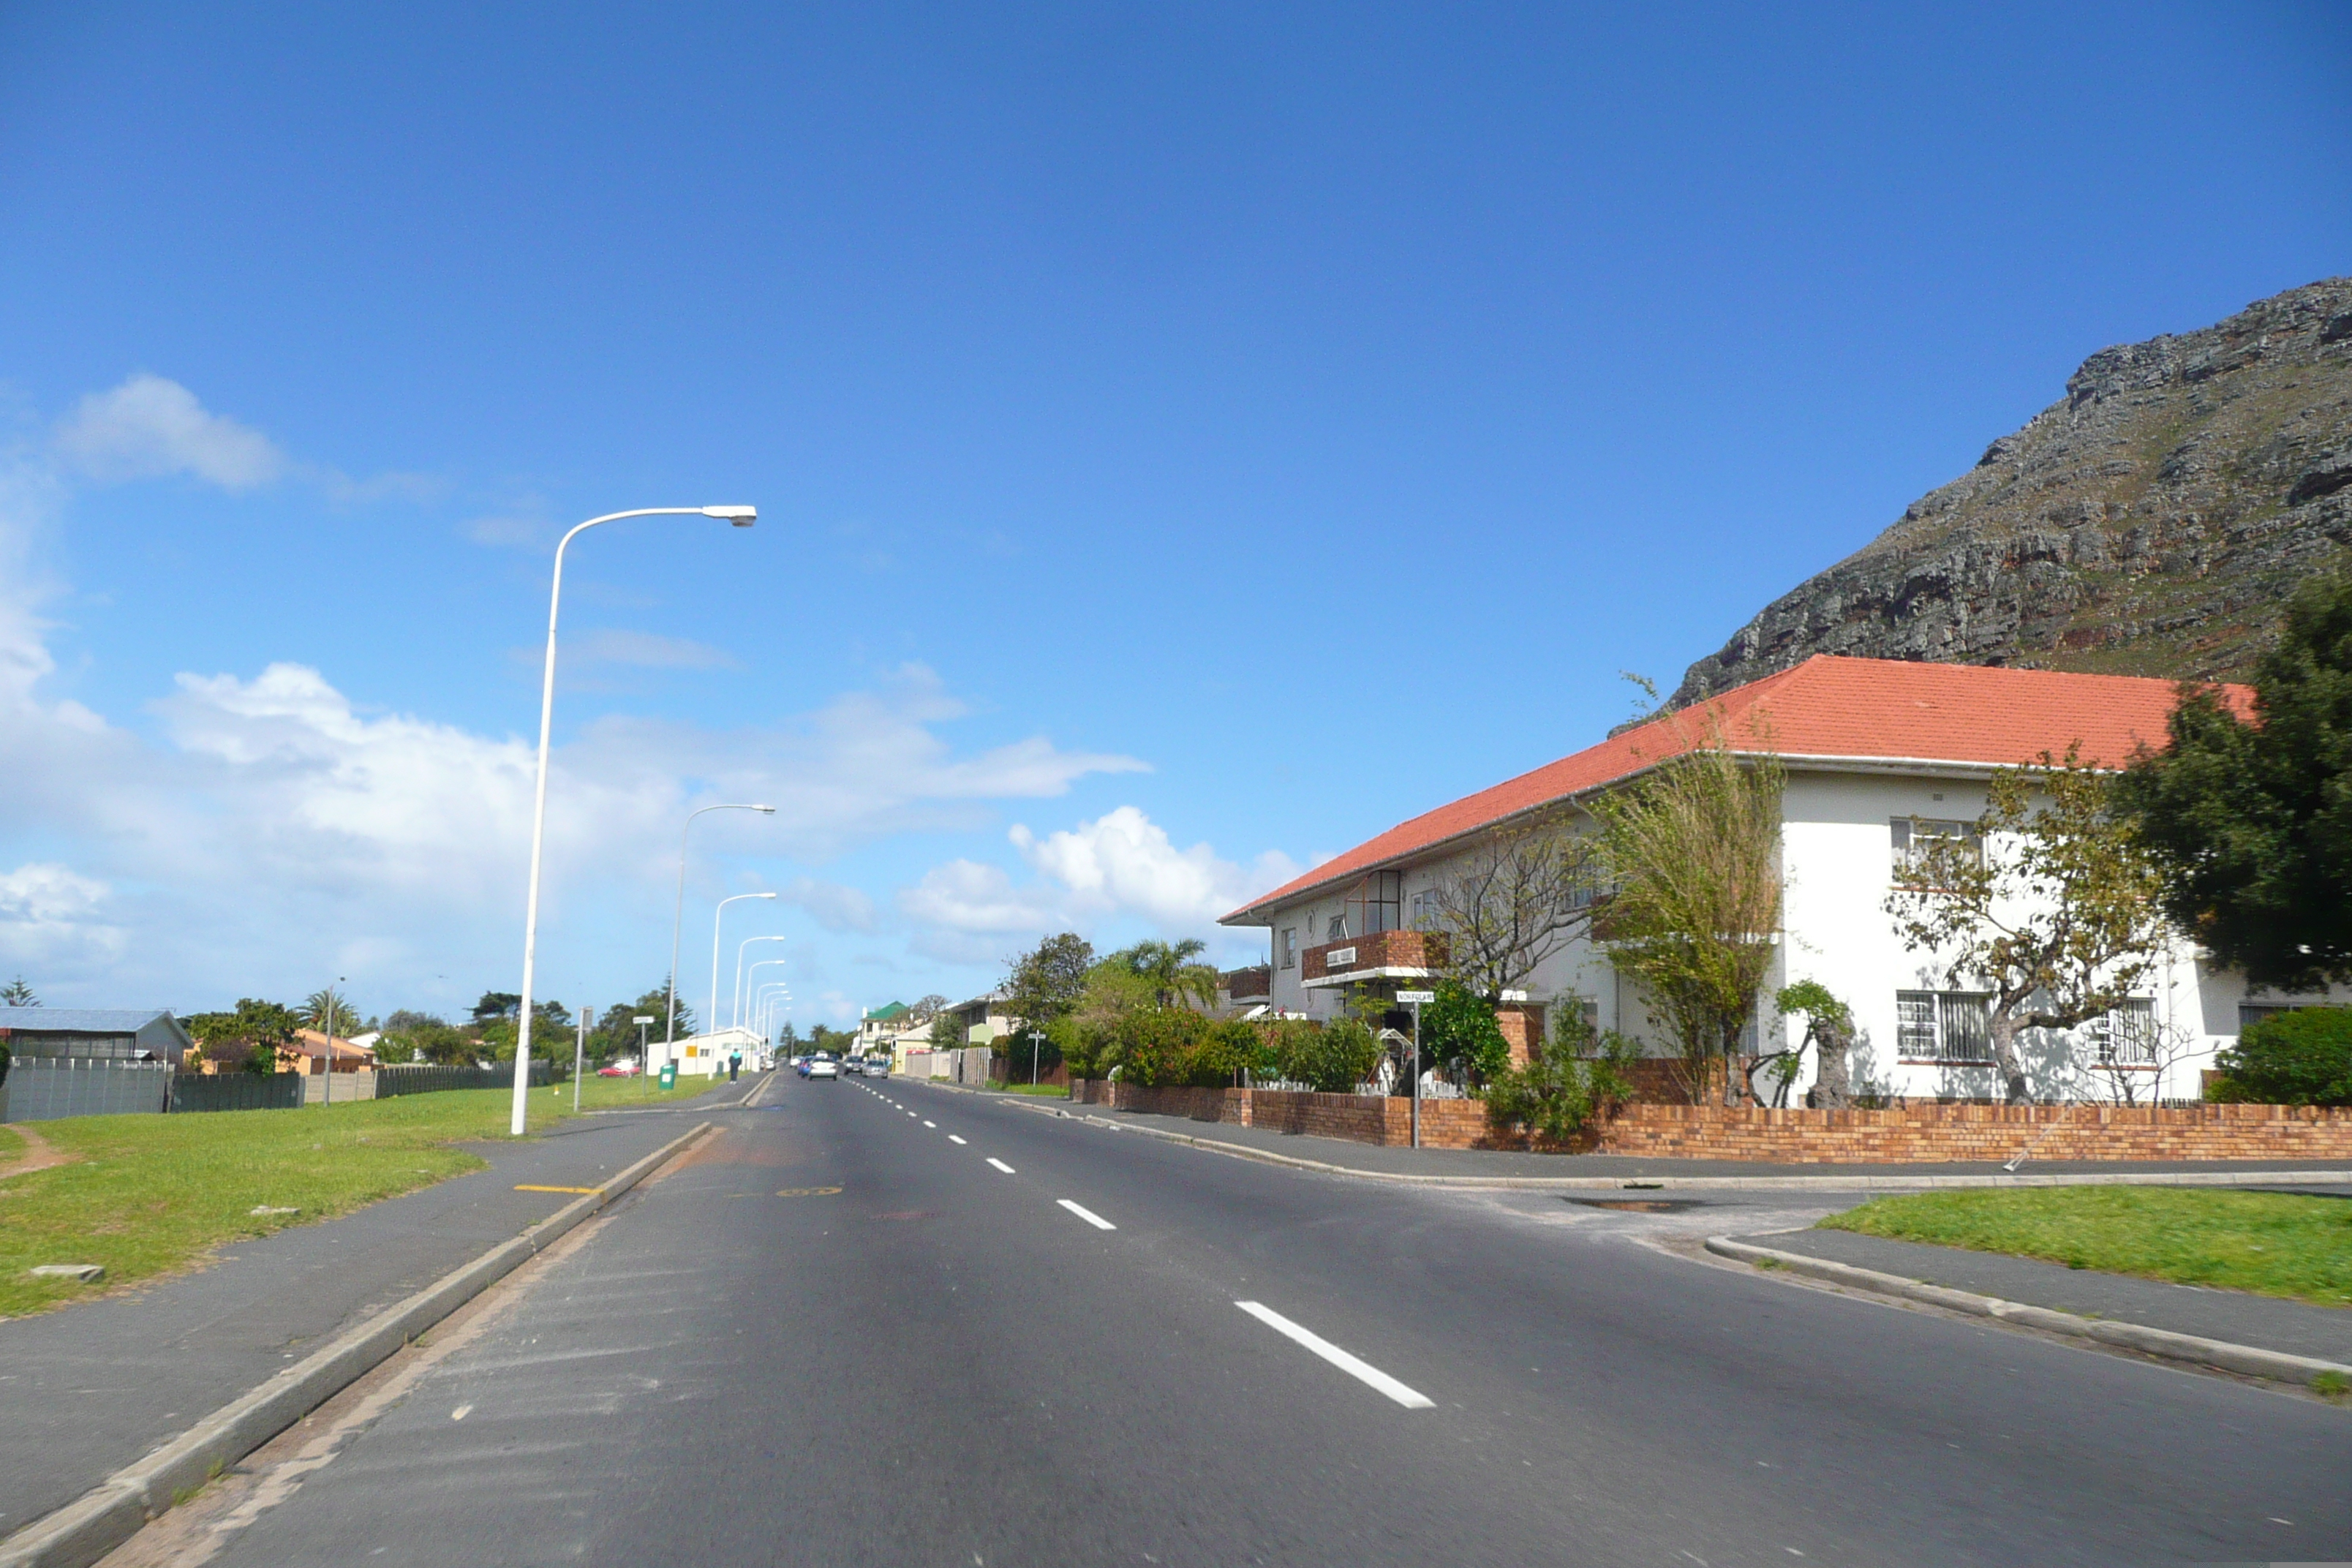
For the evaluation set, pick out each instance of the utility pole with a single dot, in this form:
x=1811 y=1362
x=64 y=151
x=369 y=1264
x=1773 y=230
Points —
x=579 y=1057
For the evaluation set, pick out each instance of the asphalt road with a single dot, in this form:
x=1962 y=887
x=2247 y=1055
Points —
x=942 y=1363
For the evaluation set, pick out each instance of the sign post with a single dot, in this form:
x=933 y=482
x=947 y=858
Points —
x=1414 y=999
x=644 y=1056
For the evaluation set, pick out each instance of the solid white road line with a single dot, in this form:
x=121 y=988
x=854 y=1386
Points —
x=953 y=1139
x=1087 y=1215
x=1361 y=1371
x=930 y=1124
x=999 y=1164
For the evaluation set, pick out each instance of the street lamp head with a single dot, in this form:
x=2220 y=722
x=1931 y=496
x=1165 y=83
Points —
x=741 y=516
x=769 y=810
x=763 y=895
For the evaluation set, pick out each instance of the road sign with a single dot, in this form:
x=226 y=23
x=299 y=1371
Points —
x=1410 y=996
x=1514 y=995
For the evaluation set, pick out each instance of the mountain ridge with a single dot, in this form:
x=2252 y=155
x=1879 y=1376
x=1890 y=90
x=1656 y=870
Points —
x=2148 y=523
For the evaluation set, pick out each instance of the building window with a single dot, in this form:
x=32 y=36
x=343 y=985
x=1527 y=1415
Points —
x=1383 y=901
x=1337 y=930
x=1290 y=947
x=1424 y=911
x=2126 y=1037
x=1943 y=1025
x=2250 y=1013
x=1911 y=839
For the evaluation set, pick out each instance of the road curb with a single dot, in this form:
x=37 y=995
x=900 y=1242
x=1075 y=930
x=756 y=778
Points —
x=2250 y=1360
x=1854 y=1182
x=102 y=1518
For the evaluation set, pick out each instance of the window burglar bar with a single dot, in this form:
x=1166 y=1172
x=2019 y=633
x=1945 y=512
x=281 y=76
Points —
x=2126 y=1037
x=1943 y=1025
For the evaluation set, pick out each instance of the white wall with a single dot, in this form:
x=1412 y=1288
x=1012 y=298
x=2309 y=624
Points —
x=1837 y=857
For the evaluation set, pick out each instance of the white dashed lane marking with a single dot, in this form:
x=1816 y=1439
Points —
x=930 y=1124
x=953 y=1139
x=1362 y=1371
x=999 y=1164
x=1087 y=1215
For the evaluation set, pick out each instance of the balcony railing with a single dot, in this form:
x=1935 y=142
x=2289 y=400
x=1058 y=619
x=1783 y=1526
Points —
x=1371 y=955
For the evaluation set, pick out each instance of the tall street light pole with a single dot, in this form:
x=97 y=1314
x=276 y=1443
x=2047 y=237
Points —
x=742 y=517
x=711 y=1019
x=326 y=1093
x=677 y=921
x=735 y=1000
x=774 y=994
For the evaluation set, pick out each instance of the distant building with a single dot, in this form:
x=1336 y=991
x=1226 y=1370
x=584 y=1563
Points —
x=94 y=1034
x=308 y=1050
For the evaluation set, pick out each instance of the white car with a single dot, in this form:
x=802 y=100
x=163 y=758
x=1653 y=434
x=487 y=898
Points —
x=824 y=1068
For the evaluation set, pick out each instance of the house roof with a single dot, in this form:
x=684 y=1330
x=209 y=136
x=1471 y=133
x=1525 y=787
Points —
x=1837 y=711
x=885 y=1014
x=309 y=1041
x=80 y=1020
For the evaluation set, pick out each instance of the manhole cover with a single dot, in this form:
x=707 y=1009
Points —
x=1639 y=1205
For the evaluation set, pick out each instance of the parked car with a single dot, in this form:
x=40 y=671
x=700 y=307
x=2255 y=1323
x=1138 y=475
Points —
x=822 y=1068
x=619 y=1070
x=877 y=1067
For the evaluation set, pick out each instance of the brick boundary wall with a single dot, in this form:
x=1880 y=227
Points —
x=1924 y=1134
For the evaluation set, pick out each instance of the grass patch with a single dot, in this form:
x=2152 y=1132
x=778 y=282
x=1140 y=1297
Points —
x=12 y=1148
x=148 y=1194
x=2271 y=1243
x=1042 y=1090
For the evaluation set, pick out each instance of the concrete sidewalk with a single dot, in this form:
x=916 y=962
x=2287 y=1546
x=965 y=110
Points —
x=1373 y=1159
x=2232 y=1316
x=88 y=1389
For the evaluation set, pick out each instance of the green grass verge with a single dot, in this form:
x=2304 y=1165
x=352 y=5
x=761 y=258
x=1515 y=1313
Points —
x=1042 y=1090
x=2272 y=1244
x=150 y=1194
x=12 y=1147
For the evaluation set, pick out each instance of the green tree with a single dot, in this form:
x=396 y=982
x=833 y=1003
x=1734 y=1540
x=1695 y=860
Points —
x=1828 y=1029
x=1580 y=1075
x=16 y=994
x=247 y=1038
x=2054 y=908
x=2251 y=818
x=947 y=1032
x=1333 y=1059
x=496 y=1004
x=1693 y=850
x=1173 y=971
x=1460 y=1027
x=1049 y=981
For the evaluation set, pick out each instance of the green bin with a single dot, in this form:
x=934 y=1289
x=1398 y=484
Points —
x=669 y=1075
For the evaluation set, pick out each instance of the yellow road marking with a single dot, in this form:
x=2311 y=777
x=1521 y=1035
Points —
x=532 y=1189
x=808 y=1191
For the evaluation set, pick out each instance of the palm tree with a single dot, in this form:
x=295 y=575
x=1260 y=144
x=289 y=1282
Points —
x=346 y=1021
x=1171 y=969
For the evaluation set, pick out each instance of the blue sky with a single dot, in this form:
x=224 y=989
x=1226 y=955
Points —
x=1189 y=440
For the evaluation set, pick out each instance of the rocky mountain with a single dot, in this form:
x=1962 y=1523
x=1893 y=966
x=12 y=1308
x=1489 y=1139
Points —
x=2148 y=523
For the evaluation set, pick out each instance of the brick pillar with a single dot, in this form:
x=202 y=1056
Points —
x=1522 y=1025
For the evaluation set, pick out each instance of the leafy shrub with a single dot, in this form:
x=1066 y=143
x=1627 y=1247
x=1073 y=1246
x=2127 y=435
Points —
x=1460 y=1027
x=1579 y=1075
x=1334 y=1058
x=1157 y=1045
x=1224 y=1051
x=2303 y=1057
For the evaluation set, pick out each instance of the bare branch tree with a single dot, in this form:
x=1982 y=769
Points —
x=1521 y=897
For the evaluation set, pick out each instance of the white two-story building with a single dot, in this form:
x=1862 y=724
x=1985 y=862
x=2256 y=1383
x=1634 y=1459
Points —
x=1874 y=751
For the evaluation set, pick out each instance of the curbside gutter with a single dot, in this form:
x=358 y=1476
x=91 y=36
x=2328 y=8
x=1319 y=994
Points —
x=102 y=1518
x=1854 y=1182
x=2249 y=1359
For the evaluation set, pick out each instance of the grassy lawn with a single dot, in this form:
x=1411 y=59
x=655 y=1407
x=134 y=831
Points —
x=148 y=1194
x=2272 y=1244
x=1043 y=1091
x=11 y=1146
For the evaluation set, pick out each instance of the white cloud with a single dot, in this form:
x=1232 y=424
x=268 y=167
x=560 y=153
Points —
x=1121 y=864
x=150 y=428
x=47 y=895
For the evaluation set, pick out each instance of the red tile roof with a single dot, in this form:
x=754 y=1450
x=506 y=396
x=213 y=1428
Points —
x=1876 y=709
